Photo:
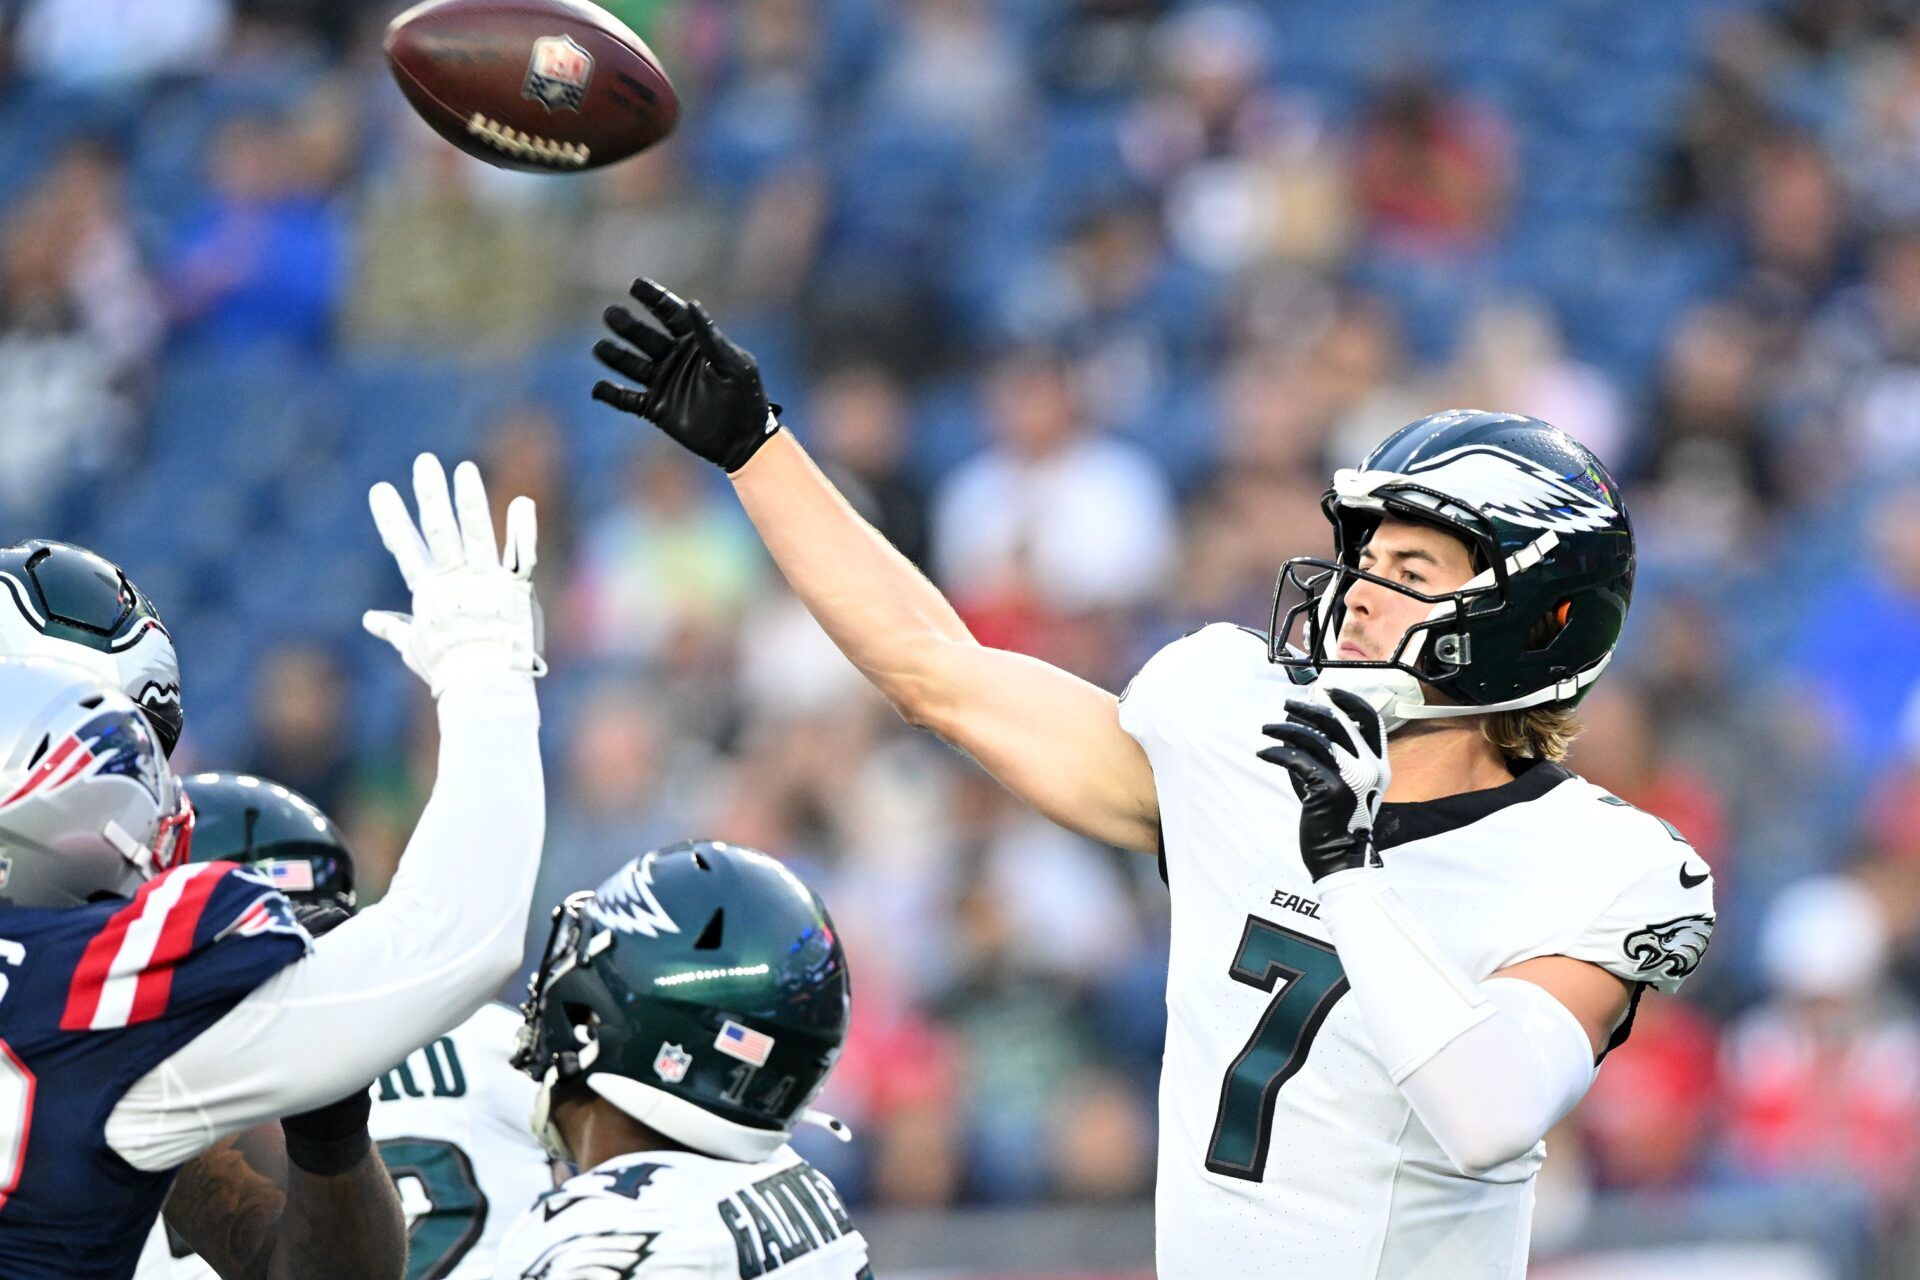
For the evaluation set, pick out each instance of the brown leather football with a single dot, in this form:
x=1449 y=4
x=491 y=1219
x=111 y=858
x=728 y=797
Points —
x=554 y=86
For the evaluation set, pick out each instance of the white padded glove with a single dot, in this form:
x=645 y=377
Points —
x=473 y=610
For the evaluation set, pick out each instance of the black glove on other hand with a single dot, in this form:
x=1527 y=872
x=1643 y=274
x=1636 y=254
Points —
x=1336 y=759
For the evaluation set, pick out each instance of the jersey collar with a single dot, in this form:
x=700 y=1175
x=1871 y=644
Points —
x=1423 y=819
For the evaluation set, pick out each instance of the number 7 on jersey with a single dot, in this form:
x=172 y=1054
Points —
x=1311 y=982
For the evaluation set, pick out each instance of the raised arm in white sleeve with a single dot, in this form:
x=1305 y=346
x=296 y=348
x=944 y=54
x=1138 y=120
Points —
x=448 y=933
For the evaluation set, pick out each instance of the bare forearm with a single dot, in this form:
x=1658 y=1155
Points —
x=347 y=1226
x=226 y=1203
x=252 y=1216
x=880 y=610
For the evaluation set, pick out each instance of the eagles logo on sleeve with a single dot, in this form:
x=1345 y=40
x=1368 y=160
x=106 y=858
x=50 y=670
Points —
x=1673 y=948
x=602 y=1255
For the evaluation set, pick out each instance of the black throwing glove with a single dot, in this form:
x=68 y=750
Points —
x=699 y=387
x=1336 y=759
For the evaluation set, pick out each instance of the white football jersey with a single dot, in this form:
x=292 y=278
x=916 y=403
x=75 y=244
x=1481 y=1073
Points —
x=1286 y=1150
x=675 y=1215
x=451 y=1122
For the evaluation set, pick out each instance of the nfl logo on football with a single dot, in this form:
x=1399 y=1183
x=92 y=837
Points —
x=558 y=72
x=671 y=1063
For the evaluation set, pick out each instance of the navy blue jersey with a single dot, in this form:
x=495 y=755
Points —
x=91 y=999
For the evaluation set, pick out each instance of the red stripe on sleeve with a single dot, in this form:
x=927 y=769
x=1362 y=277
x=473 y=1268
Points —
x=176 y=941
x=90 y=975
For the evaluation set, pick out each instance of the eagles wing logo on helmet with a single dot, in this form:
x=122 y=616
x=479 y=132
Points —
x=1515 y=489
x=1673 y=948
x=629 y=903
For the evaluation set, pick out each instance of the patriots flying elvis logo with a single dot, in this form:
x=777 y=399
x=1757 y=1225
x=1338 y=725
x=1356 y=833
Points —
x=112 y=742
x=1515 y=489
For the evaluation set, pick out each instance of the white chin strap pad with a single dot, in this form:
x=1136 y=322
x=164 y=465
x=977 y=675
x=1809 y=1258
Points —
x=541 y=1121
x=1387 y=691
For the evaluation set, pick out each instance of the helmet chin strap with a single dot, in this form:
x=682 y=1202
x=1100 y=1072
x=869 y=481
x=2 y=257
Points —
x=1401 y=699
x=541 y=1121
x=1391 y=693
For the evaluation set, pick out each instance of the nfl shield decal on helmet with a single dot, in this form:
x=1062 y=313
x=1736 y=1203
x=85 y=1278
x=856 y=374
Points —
x=671 y=1063
x=558 y=72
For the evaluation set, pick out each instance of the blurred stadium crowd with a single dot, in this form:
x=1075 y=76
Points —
x=1082 y=300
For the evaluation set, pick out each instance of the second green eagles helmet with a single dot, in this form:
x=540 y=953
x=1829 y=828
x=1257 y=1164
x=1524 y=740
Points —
x=1551 y=539
x=249 y=820
x=702 y=990
x=62 y=601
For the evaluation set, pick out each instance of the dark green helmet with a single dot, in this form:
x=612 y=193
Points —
x=702 y=990
x=249 y=820
x=63 y=601
x=1550 y=537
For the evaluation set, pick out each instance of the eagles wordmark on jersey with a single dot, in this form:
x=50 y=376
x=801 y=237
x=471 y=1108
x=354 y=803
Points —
x=1286 y=1148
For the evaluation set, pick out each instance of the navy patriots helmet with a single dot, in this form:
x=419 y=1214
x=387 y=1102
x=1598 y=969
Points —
x=63 y=601
x=702 y=989
x=261 y=824
x=1552 y=544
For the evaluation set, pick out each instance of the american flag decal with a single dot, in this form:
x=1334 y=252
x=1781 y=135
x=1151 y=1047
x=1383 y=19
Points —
x=290 y=875
x=744 y=1043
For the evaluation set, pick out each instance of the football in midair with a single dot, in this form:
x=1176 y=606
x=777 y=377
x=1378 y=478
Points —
x=553 y=86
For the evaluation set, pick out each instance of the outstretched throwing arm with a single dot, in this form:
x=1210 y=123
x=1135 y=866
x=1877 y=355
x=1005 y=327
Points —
x=1050 y=737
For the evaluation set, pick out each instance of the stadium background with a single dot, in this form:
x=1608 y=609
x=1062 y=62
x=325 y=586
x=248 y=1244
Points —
x=1082 y=300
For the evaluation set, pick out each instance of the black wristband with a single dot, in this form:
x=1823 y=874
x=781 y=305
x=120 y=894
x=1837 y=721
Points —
x=330 y=1140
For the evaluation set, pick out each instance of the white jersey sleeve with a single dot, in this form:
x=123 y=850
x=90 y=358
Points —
x=1155 y=704
x=675 y=1215
x=1657 y=928
x=445 y=937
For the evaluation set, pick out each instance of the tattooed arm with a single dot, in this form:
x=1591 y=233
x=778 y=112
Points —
x=252 y=1216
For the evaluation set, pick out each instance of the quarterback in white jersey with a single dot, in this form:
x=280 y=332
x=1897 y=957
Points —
x=449 y=1120
x=1285 y=1134
x=684 y=1015
x=1394 y=967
